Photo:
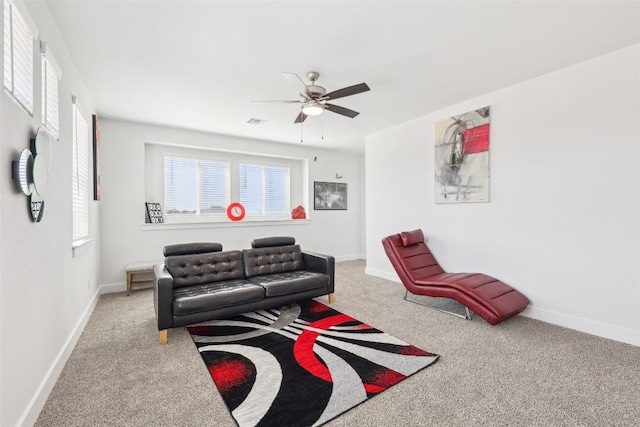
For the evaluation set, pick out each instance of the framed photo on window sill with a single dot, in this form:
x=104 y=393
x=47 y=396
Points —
x=153 y=213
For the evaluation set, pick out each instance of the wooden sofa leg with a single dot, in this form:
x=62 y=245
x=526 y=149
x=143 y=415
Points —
x=128 y=283
x=163 y=336
x=332 y=298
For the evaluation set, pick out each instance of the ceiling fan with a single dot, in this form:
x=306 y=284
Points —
x=314 y=98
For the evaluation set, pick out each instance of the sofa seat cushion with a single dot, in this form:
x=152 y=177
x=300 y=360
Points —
x=209 y=296
x=290 y=282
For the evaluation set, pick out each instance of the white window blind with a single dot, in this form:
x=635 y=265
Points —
x=18 y=55
x=80 y=171
x=195 y=186
x=50 y=75
x=264 y=189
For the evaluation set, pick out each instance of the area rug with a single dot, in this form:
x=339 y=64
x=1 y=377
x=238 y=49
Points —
x=301 y=365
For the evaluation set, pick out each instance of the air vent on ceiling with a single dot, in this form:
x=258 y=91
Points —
x=253 y=121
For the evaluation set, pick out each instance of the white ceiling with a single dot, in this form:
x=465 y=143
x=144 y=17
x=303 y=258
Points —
x=199 y=64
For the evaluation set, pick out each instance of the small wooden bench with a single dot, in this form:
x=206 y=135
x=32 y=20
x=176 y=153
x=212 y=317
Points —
x=142 y=267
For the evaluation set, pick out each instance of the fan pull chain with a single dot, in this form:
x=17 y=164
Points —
x=322 y=127
x=301 y=132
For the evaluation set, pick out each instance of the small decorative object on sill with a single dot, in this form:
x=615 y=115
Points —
x=236 y=211
x=153 y=214
x=298 y=213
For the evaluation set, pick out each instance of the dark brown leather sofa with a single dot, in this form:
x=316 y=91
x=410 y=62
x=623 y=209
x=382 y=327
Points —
x=421 y=274
x=200 y=282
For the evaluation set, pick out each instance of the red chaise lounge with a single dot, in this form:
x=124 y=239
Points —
x=421 y=274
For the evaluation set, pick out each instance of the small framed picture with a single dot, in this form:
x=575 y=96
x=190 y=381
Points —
x=329 y=196
x=153 y=213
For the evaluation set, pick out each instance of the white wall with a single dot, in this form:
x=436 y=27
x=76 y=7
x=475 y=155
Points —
x=126 y=239
x=46 y=292
x=563 y=222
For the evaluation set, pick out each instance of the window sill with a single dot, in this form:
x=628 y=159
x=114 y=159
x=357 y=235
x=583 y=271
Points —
x=187 y=225
x=79 y=247
x=17 y=102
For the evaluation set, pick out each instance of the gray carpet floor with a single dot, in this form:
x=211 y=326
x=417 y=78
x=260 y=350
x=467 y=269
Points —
x=521 y=373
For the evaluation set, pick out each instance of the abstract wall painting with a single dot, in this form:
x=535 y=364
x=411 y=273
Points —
x=462 y=158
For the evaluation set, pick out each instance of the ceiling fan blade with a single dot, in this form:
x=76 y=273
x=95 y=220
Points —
x=347 y=91
x=277 y=101
x=301 y=117
x=341 y=110
x=298 y=82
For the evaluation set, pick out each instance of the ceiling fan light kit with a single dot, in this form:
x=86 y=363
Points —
x=312 y=108
x=314 y=98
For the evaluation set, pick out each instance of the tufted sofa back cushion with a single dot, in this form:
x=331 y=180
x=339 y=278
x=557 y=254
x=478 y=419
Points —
x=276 y=259
x=188 y=270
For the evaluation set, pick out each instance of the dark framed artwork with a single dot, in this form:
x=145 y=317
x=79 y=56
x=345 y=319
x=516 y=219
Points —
x=329 y=196
x=96 y=157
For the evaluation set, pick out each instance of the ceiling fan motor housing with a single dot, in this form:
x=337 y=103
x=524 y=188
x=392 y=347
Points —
x=316 y=91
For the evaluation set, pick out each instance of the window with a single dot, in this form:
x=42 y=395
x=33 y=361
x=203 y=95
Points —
x=80 y=171
x=195 y=186
x=264 y=190
x=51 y=73
x=19 y=33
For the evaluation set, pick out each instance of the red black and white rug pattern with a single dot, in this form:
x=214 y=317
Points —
x=301 y=365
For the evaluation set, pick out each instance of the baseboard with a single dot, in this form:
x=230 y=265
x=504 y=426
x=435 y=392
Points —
x=381 y=273
x=604 y=330
x=31 y=413
x=351 y=257
x=113 y=288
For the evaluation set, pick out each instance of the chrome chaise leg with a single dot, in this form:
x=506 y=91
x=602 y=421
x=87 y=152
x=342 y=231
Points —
x=466 y=316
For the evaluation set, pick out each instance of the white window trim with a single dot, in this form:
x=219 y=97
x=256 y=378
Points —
x=49 y=64
x=268 y=162
x=26 y=16
x=22 y=10
x=80 y=240
x=234 y=159
x=196 y=218
x=210 y=224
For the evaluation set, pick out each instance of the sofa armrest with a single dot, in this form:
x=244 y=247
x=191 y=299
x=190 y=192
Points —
x=321 y=264
x=163 y=296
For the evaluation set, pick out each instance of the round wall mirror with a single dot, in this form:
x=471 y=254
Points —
x=44 y=148
x=40 y=174
x=22 y=171
x=31 y=169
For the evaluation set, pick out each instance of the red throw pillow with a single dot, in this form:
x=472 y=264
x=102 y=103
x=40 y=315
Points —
x=412 y=237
